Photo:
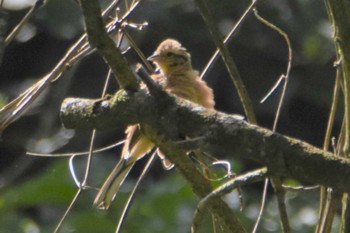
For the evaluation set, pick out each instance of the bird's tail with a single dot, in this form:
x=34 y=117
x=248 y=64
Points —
x=111 y=186
x=129 y=157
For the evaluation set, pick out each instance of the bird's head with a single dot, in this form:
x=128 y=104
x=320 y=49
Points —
x=170 y=57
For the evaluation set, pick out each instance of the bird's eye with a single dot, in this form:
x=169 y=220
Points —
x=169 y=54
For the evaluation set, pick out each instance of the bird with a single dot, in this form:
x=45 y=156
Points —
x=176 y=76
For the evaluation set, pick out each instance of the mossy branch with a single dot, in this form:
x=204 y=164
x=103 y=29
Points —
x=165 y=119
x=105 y=114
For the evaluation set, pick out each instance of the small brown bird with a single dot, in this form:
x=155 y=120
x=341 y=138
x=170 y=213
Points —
x=174 y=63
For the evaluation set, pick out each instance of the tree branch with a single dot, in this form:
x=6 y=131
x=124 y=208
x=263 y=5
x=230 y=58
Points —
x=101 y=113
x=165 y=119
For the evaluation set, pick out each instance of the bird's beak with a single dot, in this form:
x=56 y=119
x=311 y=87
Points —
x=155 y=57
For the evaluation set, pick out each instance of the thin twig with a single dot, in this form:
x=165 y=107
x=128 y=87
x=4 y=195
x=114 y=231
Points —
x=330 y=208
x=100 y=40
x=262 y=205
x=60 y=223
x=93 y=135
x=132 y=194
x=273 y=89
x=327 y=197
x=138 y=51
x=345 y=221
x=280 y=194
x=130 y=10
x=13 y=110
x=72 y=171
x=89 y=159
x=228 y=60
x=338 y=12
x=83 y=183
x=285 y=77
x=300 y=188
x=321 y=226
x=229 y=37
x=24 y=20
x=76 y=153
x=91 y=16
x=226 y=188
x=289 y=64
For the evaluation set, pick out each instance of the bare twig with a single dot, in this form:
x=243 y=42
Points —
x=226 y=188
x=99 y=39
x=329 y=210
x=339 y=12
x=275 y=181
x=280 y=194
x=83 y=184
x=262 y=205
x=229 y=37
x=300 y=188
x=131 y=195
x=93 y=134
x=64 y=216
x=138 y=51
x=284 y=76
x=345 y=224
x=76 y=153
x=229 y=62
x=325 y=222
x=13 y=110
x=24 y=20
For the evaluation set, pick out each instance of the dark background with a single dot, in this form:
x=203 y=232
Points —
x=34 y=192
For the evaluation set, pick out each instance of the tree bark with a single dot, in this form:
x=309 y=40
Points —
x=166 y=119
